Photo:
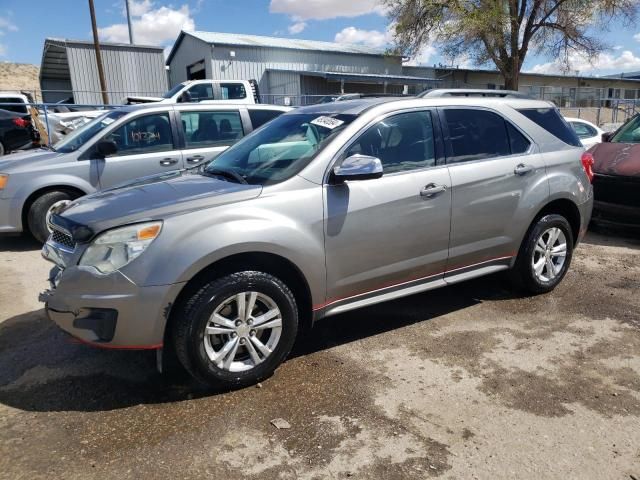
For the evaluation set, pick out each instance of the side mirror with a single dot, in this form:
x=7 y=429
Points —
x=358 y=167
x=106 y=148
x=185 y=98
x=606 y=136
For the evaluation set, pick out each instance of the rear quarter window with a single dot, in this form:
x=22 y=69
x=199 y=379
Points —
x=551 y=120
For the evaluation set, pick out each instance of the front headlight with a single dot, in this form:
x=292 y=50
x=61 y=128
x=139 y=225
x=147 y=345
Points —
x=116 y=248
x=4 y=178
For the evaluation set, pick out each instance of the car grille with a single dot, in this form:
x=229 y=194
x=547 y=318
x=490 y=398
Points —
x=617 y=189
x=62 y=239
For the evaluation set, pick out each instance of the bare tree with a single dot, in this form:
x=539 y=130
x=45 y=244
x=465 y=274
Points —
x=504 y=31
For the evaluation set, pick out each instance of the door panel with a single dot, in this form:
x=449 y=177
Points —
x=395 y=229
x=145 y=147
x=497 y=182
x=383 y=232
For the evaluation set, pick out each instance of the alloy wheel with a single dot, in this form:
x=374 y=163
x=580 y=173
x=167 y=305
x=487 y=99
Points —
x=549 y=254
x=243 y=331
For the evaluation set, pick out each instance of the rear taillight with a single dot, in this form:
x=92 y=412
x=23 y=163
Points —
x=587 y=163
x=21 y=122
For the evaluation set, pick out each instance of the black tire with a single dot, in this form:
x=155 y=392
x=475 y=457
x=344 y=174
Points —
x=37 y=214
x=523 y=273
x=192 y=317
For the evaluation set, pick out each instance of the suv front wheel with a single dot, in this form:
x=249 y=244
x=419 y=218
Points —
x=545 y=255
x=235 y=330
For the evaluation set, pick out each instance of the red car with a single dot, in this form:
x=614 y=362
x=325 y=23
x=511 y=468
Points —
x=616 y=182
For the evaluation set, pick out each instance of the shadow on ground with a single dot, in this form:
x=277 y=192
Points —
x=18 y=243
x=45 y=370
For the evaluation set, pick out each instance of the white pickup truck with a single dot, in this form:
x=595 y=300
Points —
x=206 y=91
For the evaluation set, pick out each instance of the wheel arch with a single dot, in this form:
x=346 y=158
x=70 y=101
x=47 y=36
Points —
x=41 y=191
x=565 y=207
x=270 y=263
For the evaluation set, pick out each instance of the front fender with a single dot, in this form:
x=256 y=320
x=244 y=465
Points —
x=191 y=242
x=46 y=182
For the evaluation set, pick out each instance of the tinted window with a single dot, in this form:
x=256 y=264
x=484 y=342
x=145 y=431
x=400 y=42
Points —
x=200 y=92
x=260 y=117
x=210 y=129
x=517 y=141
x=629 y=133
x=551 y=120
x=13 y=108
x=401 y=142
x=233 y=91
x=476 y=134
x=147 y=134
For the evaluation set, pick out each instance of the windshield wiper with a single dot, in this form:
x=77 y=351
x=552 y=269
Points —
x=48 y=147
x=228 y=174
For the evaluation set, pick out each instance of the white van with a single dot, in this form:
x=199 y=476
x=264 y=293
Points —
x=206 y=91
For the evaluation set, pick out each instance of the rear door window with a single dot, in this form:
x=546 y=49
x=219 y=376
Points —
x=551 y=120
x=261 y=116
x=211 y=128
x=476 y=134
x=583 y=130
x=233 y=91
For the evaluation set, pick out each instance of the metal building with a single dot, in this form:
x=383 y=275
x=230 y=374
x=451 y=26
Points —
x=289 y=67
x=69 y=69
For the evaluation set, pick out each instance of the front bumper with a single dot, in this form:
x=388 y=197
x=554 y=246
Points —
x=10 y=221
x=615 y=214
x=108 y=310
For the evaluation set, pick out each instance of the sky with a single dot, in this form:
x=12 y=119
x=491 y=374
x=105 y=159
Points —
x=25 y=24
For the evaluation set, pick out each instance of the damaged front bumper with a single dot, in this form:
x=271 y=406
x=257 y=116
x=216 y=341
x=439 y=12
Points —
x=108 y=310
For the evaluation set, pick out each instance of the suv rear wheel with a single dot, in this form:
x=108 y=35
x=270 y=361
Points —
x=235 y=330
x=545 y=255
x=40 y=211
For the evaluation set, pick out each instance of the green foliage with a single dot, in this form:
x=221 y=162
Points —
x=502 y=32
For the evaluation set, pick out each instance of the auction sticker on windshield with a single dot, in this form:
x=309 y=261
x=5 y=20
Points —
x=327 y=122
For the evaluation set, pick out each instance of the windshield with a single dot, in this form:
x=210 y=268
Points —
x=280 y=149
x=173 y=91
x=629 y=133
x=82 y=135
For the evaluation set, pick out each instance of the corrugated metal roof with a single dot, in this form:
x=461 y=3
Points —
x=360 y=76
x=63 y=42
x=276 y=42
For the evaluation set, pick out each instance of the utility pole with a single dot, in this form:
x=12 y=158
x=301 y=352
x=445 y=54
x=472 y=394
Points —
x=129 y=21
x=96 y=44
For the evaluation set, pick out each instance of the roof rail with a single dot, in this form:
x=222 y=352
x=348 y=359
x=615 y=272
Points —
x=470 y=92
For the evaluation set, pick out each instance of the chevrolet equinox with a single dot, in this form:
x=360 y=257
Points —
x=326 y=209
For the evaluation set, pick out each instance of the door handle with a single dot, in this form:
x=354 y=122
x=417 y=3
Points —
x=168 y=162
x=522 y=169
x=195 y=159
x=432 y=190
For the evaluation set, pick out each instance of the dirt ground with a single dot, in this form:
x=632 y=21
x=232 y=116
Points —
x=464 y=382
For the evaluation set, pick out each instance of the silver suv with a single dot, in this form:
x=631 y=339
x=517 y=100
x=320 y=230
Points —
x=121 y=145
x=326 y=209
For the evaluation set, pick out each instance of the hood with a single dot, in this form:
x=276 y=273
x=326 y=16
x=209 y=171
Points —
x=129 y=100
x=155 y=198
x=617 y=159
x=28 y=158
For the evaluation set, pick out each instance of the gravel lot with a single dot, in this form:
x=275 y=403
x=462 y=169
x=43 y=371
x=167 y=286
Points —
x=464 y=382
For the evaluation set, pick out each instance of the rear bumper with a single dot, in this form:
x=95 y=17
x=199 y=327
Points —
x=108 y=311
